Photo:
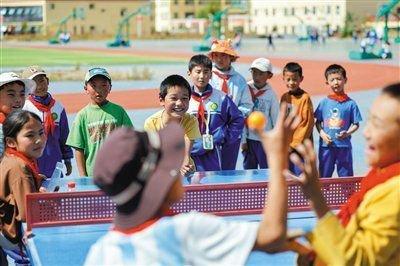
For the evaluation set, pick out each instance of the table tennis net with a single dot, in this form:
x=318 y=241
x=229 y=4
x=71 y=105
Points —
x=89 y=207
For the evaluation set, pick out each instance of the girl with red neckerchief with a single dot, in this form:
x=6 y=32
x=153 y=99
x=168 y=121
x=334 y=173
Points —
x=367 y=229
x=24 y=140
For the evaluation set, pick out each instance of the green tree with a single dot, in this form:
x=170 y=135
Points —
x=211 y=8
x=349 y=25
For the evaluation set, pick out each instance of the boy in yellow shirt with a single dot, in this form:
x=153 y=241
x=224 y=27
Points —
x=174 y=96
x=299 y=99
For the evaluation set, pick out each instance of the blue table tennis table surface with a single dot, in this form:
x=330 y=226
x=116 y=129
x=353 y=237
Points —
x=69 y=245
x=198 y=178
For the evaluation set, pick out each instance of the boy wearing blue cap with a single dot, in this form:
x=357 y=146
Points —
x=95 y=121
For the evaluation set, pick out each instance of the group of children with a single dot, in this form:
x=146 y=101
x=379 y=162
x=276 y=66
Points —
x=212 y=111
x=221 y=100
x=366 y=231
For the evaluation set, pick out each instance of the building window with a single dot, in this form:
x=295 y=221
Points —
x=22 y=14
x=328 y=9
x=189 y=2
x=266 y=11
x=285 y=11
x=92 y=28
x=91 y=6
x=273 y=11
x=293 y=29
x=189 y=15
x=103 y=10
x=314 y=10
x=337 y=10
x=122 y=12
x=305 y=10
x=175 y=15
x=52 y=6
x=293 y=11
x=176 y=2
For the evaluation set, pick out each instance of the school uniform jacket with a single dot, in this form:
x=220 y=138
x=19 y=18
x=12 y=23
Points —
x=226 y=121
x=238 y=90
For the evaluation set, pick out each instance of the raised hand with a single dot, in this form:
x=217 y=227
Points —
x=309 y=178
x=277 y=140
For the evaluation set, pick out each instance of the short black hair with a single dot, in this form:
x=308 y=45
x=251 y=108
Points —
x=335 y=69
x=200 y=60
x=294 y=68
x=12 y=82
x=172 y=81
x=392 y=90
x=15 y=122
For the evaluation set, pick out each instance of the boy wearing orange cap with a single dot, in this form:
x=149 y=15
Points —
x=228 y=80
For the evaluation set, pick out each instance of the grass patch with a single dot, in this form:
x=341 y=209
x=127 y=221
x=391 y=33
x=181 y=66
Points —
x=22 y=57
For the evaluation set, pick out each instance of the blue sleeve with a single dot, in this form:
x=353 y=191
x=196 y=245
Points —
x=246 y=103
x=234 y=120
x=64 y=131
x=318 y=112
x=274 y=111
x=197 y=148
x=356 y=114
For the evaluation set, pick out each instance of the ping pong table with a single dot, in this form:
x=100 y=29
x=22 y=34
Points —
x=64 y=225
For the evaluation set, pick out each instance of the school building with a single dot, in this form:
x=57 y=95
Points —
x=175 y=16
x=259 y=17
x=79 y=17
x=294 y=17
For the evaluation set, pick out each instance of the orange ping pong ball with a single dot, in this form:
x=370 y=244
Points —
x=256 y=121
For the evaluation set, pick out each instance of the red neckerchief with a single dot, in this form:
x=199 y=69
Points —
x=375 y=177
x=2 y=117
x=201 y=110
x=225 y=79
x=49 y=124
x=30 y=163
x=141 y=227
x=342 y=97
x=258 y=93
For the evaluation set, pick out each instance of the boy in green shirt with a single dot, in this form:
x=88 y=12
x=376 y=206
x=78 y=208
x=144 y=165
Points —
x=95 y=121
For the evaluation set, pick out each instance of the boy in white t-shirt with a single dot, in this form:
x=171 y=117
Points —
x=146 y=181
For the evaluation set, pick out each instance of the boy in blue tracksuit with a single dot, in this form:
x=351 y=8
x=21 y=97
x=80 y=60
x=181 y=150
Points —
x=337 y=117
x=220 y=120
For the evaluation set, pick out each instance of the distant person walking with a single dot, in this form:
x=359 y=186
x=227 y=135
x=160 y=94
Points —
x=270 y=42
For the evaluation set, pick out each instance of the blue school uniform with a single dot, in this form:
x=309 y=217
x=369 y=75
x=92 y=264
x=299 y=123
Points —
x=336 y=117
x=240 y=95
x=265 y=101
x=225 y=124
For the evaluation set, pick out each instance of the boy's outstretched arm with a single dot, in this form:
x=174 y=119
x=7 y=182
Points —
x=272 y=230
x=80 y=161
